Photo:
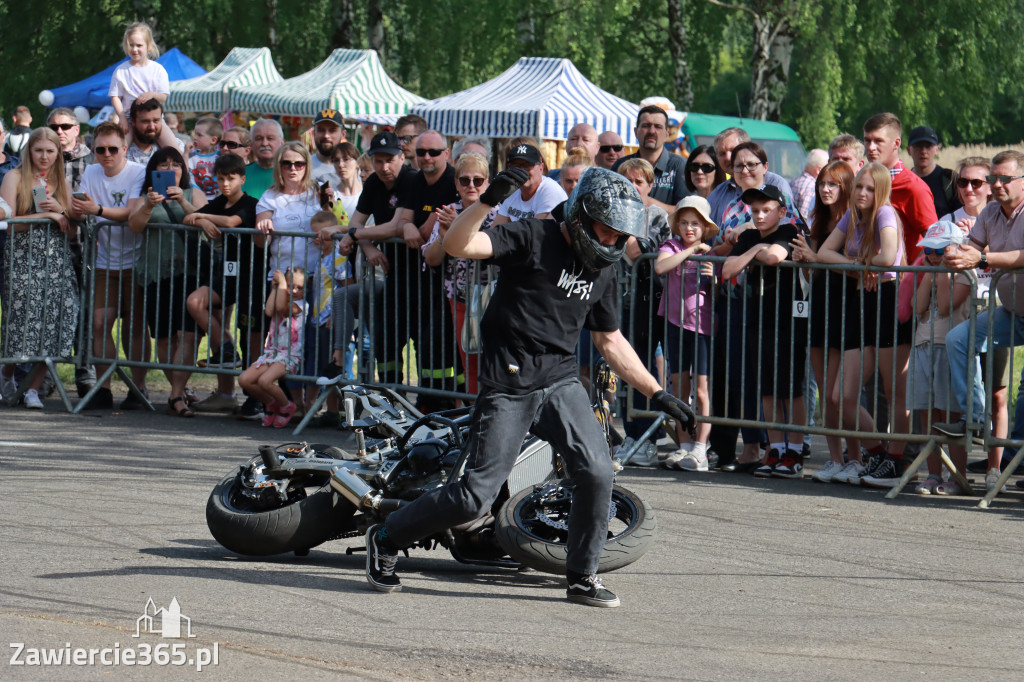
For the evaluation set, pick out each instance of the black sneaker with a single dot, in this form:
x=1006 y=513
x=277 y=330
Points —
x=591 y=591
x=957 y=429
x=132 y=403
x=886 y=475
x=790 y=466
x=380 y=565
x=226 y=357
x=251 y=410
x=102 y=399
x=765 y=470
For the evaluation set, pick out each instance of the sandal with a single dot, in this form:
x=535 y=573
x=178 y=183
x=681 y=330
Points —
x=928 y=485
x=172 y=410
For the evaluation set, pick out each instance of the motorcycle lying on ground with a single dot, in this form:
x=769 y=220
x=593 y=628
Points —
x=296 y=496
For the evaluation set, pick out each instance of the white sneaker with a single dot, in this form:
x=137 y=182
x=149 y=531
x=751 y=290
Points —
x=828 y=472
x=851 y=471
x=696 y=460
x=991 y=478
x=32 y=400
x=8 y=387
x=673 y=458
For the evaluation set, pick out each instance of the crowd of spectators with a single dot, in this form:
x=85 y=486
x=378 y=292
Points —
x=286 y=294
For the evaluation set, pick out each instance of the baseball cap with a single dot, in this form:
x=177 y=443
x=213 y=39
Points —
x=332 y=115
x=702 y=207
x=923 y=134
x=942 y=234
x=527 y=152
x=385 y=143
x=768 y=192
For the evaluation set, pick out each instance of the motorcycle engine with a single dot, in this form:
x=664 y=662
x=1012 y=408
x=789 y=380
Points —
x=424 y=458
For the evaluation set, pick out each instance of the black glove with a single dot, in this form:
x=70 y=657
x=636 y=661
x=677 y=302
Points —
x=504 y=185
x=676 y=409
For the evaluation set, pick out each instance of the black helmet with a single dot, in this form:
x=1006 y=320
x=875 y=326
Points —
x=602 y=196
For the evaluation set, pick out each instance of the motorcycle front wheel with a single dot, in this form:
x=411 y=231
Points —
x=313 y=514
x=533 y=528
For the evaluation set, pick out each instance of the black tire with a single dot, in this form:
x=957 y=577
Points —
x=314 y=515
x=541 y=546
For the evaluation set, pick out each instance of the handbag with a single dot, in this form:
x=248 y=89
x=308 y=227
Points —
x=477 y=297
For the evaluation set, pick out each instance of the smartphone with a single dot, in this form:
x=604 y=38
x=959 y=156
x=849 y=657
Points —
x=162 y=179
x=81 y=196
x=38 y=197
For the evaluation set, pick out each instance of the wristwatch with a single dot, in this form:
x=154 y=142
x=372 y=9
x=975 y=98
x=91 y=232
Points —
x=99 y=211
x=983 y=263
x=352 y=234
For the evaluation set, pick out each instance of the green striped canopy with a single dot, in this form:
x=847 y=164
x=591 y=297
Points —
x=244 y=66
x=350 y=81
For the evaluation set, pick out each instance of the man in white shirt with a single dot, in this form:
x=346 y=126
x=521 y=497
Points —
x=108 y=186
x=328 y=131
x=538 y=196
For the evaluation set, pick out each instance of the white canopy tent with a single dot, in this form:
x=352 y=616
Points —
x=244 y=66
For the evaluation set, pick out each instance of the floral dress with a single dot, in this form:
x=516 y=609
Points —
x=284 y=341
x=41 y=294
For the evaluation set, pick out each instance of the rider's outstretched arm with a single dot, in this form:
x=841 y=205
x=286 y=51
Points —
x=624 y=361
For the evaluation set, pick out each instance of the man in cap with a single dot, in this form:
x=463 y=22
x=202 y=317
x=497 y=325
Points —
x=538 y=196
x=923 y=146
x=554 y=281
x=328 y=131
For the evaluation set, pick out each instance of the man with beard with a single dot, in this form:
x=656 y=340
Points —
x=147 y=124
x=328 y=131
x=407 y=129
x=669 y=169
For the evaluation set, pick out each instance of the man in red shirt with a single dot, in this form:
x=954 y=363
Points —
x=910 y=195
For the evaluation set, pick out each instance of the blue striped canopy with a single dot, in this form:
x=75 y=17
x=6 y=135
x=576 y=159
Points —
x=538 y=96
x=349 y=81
x=243 y=66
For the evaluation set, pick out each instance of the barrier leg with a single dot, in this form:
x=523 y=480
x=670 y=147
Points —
x=964 y=483
x=910 y=470
x=1003 y=478
x=133 y=389
x=51 y=368
x=313 y=409
x=624 y=458
x=100 y=380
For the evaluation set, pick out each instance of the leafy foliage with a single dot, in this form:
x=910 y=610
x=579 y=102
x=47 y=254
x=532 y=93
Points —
x=945 y=63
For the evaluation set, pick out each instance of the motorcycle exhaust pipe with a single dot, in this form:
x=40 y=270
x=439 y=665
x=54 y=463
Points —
x=352 y=488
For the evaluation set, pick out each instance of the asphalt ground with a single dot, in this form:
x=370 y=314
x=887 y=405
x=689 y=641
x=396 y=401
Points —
x=749 y=578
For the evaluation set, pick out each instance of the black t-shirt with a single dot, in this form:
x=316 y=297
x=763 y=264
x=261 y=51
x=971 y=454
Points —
x=542 y=301
x=940 y=182
x=244 y=208
x=762 y=280
x=379 y=201
x=422 y=198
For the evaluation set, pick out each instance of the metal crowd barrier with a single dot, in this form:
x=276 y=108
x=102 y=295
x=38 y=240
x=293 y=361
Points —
x=407 y=337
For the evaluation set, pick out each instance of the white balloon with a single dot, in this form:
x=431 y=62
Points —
x=82 y=114
x=46 y=97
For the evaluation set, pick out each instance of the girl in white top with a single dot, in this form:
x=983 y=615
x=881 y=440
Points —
x=141 y=79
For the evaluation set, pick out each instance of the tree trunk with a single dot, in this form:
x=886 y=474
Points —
x=677 y=48
x=375 y=27
x=759 y=96
x=344 y=32
x=778 y=70
x=273 y=42
x=525 y=30
x=773 y=50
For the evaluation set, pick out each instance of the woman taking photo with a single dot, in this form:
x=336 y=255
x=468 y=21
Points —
x=41 y=314
x=703 y=173
x=167 y=268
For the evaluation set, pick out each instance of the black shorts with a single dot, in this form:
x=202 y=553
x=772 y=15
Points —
x=827 y=308
x=875 y=324
x=166 y=313
x=680 y=349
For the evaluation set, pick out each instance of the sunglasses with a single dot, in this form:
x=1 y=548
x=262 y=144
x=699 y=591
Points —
x=605 y=148
x=406 y=139
x=229 y=144
x=1004 y=179
x=705 y=168
x=929 y=251
x=61 y=126
x=976 y=183
x=465 y=180
x=432 y=153
x=102 y=151
x=297 y=165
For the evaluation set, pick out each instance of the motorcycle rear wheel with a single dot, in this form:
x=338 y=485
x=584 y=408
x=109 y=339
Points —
x=531 y=527
x=313 y=516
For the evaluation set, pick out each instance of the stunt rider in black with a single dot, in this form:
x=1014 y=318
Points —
x=554 y=280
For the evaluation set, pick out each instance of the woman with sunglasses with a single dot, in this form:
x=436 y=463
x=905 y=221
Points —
x=975 y=193
x=288 y=206
x=236 y=141
x=703 y=173
x=471 y=180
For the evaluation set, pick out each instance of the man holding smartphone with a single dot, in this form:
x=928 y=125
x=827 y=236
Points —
x=106 y=190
